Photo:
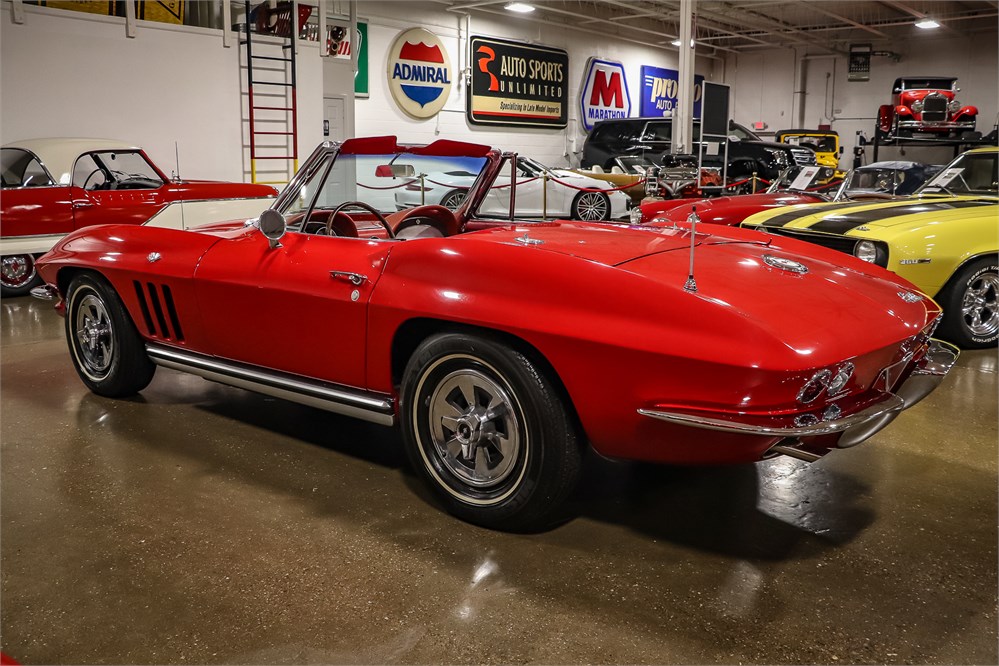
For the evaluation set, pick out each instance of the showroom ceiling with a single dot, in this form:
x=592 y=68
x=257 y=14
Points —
x=747 y=25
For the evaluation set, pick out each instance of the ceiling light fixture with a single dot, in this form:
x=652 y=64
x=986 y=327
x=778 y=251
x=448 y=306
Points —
x=927 y=23
x=676 y=42
x=519 y=7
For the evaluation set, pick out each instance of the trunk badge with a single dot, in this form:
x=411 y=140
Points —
x=153 y=257
x=785 y=264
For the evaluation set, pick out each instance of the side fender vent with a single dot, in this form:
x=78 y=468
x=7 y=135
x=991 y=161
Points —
x=157 y=304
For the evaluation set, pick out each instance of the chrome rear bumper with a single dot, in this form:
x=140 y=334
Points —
x=856 y=427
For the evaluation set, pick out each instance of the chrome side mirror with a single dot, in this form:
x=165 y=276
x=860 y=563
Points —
x=273 y=226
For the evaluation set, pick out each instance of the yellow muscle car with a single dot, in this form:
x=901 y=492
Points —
x=945 y=240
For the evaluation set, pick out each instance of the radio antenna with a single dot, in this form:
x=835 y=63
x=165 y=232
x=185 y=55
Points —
x=691 y=284
x=176 y=153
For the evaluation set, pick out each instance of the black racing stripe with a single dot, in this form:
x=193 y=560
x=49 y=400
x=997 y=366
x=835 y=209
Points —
x=785 y=218
x=841 y=224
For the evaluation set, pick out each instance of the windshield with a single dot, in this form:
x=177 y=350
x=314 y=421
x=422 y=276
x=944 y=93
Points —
x=927 y=84
x=971 y=173
x=387 y=183
x=807 y=179
x=634 y=164
x=876 y=180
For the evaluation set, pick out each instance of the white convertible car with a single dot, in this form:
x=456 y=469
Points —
x=569 y=194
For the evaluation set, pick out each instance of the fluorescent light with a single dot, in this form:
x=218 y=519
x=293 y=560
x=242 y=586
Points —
x=519 y=7
x=676 y=42
x=927 y=23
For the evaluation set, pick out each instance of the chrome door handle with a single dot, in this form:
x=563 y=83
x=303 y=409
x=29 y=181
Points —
x=82 y=204
x=355 y=279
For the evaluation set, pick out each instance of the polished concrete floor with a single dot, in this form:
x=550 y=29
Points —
x=203 y=524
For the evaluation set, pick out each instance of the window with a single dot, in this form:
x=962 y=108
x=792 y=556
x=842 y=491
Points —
x=22 y=169
x=115 y=170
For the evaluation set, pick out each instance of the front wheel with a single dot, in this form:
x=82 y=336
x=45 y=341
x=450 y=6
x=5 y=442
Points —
x=18 y=275
x=453 y=199
x=107 y=351
x=971 y=305
x=591 y=207
x=489 y=431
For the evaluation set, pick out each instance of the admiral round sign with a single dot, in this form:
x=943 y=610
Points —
x=419 y=73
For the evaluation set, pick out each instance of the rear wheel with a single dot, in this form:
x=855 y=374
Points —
x=453 y=199
x=18 y=275
x=971 y=305
x=107 y=351
x=591 y=207
x=488 y=431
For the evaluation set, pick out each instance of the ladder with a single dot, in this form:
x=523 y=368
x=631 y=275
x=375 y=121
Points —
x=276 y=114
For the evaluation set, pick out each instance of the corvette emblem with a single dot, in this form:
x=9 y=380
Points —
x=909 y=297
x=784 y=264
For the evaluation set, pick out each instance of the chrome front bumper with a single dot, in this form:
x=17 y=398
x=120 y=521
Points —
x=934 y=125
x=855 y=428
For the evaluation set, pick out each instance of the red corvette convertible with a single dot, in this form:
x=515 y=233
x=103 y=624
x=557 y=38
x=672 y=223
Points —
x=53 y=186
x=502 y=352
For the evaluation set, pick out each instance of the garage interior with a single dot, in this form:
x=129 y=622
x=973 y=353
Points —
x=198 y=523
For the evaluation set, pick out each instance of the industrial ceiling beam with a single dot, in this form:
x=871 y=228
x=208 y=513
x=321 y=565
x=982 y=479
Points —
x=815 y=8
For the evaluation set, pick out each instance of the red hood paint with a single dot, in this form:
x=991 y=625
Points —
x=729 y=211
x=215 y=189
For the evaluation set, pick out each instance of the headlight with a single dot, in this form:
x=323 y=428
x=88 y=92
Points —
x=779 y=157
x=866 y=251
x=813 y=387
x=954 y=106
x=917 y=106
x=839 y=380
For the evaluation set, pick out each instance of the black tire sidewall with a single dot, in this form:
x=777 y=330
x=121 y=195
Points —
x=953 y=327
x=547 y=438
x=130 y=370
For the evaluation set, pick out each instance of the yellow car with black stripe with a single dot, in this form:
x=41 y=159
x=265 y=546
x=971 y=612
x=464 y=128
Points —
x=945 y=240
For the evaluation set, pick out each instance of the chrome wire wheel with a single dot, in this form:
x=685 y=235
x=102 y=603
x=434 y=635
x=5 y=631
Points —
x=591 y=206
x=17 y=270
x=94 y=339
x=474 y=428
x=980 y=305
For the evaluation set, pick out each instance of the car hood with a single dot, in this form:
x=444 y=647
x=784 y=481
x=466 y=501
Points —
x=217 y=189
x=842 y=218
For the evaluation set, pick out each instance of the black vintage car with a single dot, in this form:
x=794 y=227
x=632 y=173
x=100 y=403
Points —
x=651 y=137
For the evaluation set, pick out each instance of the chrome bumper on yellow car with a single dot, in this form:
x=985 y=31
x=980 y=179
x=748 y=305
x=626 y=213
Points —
x=855 y=428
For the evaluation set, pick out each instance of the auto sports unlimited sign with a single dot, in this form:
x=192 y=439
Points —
x=660 y=90
x=518 y=84
x=419 y=73
x=604 y=93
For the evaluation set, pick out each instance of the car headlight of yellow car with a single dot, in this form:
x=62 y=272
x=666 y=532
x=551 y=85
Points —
x=872 y=252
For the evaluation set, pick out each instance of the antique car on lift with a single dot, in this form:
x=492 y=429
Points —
x=503 y=352
x=53 y=186
x=541 y=192
x=945 y=240
x=925 y=105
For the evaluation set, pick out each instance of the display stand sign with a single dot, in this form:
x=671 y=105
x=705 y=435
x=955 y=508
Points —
x=517 y=84
x=802 y=180
x=604 y=92
x=419 y=73
x=660 y=91
x=715 y=122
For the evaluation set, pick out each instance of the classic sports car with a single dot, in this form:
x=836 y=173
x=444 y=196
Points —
x=503 y=352
x=925 y=104
x=53 y=186
x=945 y=240
x=569 y=194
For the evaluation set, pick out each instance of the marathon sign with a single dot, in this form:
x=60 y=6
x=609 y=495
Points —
x=604 y=93
x=519 y=84
x=660 y=91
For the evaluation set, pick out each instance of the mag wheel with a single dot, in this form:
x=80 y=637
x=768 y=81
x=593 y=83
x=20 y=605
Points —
x=488 y=431
x=453 y=199
x=107 y=351
x=591 y=207
x=18 y=274
x=971 y=305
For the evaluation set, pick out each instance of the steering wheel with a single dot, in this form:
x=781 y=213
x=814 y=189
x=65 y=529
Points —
x=363 y=206
x=109 y=182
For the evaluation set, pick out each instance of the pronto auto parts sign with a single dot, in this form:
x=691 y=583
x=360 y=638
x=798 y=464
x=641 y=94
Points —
x=419 y=73
x=604 y=93
x=660 y=91
x=518 y=84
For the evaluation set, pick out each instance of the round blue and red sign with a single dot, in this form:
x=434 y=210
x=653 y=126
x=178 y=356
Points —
x=419 y=73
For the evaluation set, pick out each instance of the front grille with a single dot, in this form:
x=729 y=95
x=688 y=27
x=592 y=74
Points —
x=838 y=243
x=158 y=316
x=803 y=157
x=934 y=108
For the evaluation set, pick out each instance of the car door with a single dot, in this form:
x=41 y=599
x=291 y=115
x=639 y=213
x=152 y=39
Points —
x=299 y=308
x=95 y=203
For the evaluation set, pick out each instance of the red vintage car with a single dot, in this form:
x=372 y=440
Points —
x=53 y=186
x=503 y=352
x=925 y=105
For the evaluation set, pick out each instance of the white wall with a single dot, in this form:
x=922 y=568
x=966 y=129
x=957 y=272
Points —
x=66 y=73
x=380 y=115
x=764 y=83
